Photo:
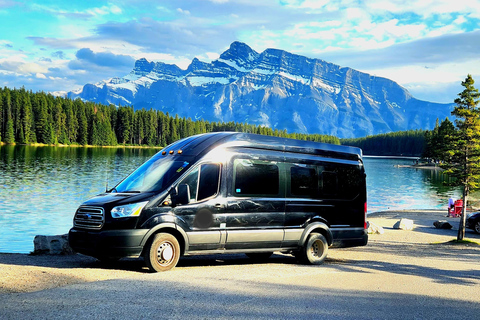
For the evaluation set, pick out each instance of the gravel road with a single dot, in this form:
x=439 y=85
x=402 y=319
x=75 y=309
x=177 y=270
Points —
x=398 y=275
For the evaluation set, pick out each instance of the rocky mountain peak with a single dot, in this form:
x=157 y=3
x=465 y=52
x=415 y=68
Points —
x=143 y=66
x=240 y=53
x=273 y=88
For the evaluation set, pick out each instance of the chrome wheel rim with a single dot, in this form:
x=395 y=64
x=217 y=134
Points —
x=165 y=253
x=316 y=249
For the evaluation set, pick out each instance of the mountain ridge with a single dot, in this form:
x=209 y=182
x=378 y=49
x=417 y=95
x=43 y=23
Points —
x=274 y=88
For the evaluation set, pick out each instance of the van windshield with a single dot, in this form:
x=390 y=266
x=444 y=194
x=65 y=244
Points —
x=153 y=176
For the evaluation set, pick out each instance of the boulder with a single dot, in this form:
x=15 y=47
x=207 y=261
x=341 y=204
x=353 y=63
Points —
x=404 y=224
x=442 y=224
x=52 y=245
x=372 y=228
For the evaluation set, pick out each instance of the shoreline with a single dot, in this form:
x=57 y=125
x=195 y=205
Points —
x=3 y=144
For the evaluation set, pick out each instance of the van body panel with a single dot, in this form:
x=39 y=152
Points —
x=320 y=226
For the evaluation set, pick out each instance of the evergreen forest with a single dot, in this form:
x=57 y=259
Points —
x=29 y=118
x=401 y=143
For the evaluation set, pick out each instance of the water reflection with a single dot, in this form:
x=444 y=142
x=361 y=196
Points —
x=41 y=187
x=391 y=184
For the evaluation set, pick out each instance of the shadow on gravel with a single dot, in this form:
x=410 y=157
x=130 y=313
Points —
x=215 y=298
x=70 y=262
x=458 y=277
x=137 y=265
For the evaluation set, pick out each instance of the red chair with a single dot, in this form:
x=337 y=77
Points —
x=457 y=209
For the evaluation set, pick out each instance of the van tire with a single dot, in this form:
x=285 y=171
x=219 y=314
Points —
x=163 y=253
x=259 y=256
x=314 y=250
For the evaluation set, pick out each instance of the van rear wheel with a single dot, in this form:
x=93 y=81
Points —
x=163 y=253
x=314 y=250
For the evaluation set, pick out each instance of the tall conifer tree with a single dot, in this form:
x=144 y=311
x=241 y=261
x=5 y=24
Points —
x=464 y=151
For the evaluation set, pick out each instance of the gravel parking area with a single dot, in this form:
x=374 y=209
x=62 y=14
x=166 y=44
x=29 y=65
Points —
x=28 y=273
x=415 y=274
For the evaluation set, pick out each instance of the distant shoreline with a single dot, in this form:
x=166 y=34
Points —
x=392 y=157
x=2 y=144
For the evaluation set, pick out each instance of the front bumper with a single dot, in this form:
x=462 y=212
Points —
x=107 y=244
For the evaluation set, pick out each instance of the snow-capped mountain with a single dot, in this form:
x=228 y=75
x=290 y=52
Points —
x=274 y=88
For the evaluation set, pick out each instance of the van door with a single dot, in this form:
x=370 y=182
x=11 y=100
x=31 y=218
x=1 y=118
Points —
x=202 y=207
x=255 y=207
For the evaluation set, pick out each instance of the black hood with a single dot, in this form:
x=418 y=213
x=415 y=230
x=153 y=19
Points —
x=115 y=199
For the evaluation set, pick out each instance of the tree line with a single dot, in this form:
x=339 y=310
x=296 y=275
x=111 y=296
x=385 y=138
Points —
x=400 y=143
x=28 y=118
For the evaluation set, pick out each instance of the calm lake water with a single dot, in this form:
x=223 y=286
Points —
x=41 y=187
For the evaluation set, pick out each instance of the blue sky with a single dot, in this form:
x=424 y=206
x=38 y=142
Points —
x=427 y=46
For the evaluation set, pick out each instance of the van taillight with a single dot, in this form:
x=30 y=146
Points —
x=365 y=219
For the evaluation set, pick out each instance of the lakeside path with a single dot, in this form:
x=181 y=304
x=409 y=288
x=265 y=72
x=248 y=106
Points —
x=398 y=275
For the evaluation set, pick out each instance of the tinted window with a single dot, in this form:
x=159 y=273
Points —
x=203 y=182
x=342 y=182
x=209 y=178
x=254 y=177
x=329 y=185
x=192 y=181
x=304 y=181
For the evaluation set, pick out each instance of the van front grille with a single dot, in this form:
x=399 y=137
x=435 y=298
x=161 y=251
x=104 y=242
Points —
x=89 y=218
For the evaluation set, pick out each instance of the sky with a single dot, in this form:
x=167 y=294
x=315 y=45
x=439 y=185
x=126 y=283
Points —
x=427 y=46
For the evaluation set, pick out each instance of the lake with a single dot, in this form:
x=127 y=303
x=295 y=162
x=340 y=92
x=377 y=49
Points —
x=41 y=187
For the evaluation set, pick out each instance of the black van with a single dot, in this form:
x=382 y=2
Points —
x=229 y=192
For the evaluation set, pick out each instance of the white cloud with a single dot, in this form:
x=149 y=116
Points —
x=182 y=11
x=40 y=76
x=105 y=10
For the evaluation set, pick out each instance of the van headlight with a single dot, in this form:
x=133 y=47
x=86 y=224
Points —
x=128 y=210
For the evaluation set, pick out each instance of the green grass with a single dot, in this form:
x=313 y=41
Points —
x=467 y=242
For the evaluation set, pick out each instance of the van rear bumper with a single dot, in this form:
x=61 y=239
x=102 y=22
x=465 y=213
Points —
x=108 y=243
x=349 y=237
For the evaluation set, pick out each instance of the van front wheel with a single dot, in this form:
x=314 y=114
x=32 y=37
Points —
x=314 y=250
x=163 y=253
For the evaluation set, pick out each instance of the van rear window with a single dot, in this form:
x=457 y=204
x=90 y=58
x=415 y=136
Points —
x=256 y=178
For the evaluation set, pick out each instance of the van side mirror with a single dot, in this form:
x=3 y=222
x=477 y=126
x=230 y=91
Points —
x=181 y=195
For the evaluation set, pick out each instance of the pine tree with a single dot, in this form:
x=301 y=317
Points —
x=82 y=122
x=7 y=104
x=464 y=150
x=27 y=119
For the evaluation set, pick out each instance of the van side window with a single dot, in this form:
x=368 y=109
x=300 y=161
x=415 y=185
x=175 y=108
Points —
x=203 y=181
x=329 y=183
x=255 y=178
x=303 y=181
x=341 y=181
x=209 y=181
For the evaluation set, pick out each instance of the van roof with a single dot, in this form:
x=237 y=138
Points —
x=202 y=143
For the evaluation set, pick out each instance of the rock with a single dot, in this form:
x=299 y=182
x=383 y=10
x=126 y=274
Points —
x=372 y=228
x=442 y=224
x=404 y=224
x=52 y=245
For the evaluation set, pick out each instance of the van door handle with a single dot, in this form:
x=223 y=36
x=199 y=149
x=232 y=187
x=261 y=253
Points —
x=218 y=205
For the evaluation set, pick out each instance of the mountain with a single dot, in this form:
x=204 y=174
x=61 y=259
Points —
x=274 y=88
